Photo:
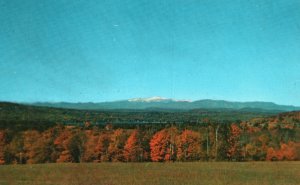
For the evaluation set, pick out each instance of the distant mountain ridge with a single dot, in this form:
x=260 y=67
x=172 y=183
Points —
x=167 y=103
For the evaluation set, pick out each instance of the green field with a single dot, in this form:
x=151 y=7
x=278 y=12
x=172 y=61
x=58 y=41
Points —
x=206 y=173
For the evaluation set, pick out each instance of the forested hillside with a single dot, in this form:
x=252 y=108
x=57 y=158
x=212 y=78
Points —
x=22 y=117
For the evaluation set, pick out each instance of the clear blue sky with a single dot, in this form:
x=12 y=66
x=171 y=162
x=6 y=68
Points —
x=80 y=50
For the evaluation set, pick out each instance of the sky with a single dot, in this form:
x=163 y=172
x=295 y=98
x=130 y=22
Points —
x=95 y=51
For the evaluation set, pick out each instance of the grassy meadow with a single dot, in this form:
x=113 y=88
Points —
x=206 y=173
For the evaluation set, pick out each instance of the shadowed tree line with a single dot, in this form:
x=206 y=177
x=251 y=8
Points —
x=19 y=117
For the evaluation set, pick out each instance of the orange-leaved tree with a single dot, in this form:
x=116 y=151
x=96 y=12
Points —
x=90 y=152
x=61 y=143
x=162 y=145
x=289 y=151
x=116 y=146
x=133 y=150
x=189 y=146
x=233 y=151
x=32 y=146
x=271 y=154
x=102 y=147
x=286 y=152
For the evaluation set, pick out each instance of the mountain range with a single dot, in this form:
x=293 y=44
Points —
x=167 y=103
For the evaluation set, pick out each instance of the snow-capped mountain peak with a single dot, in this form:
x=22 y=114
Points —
x=156 y=99
x=150 y=99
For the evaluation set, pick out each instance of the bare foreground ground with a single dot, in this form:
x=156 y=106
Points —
x=206 y=173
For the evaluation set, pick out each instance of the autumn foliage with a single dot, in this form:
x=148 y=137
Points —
x=90 y=154
x=162 y=145
x=61 y=144
x=101 y=148
x=116 y=145
x=189 y=146
x=285 y=152
x=233 y=141
x=242 y=141
x=133 y=150
x=2 y=145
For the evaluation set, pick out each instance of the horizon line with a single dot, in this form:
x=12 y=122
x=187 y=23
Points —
x=179 y=100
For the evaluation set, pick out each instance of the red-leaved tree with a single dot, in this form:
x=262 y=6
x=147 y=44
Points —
x=162 y=145
x=233 y=141
x=116 y=145
x=133 y=150
x=61 y=143
x=189 y=146
x=90 y=152
x=102 y=147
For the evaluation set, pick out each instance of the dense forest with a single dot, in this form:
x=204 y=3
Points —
x=199 y=136
x=23 y=117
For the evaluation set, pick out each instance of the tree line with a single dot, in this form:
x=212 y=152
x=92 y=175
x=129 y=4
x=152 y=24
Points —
x=260 y=139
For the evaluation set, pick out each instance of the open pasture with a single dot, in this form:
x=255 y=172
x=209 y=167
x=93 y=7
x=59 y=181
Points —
x=206 y=173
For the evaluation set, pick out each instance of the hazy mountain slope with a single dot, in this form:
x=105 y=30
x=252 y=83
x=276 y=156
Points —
x=164 y=103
